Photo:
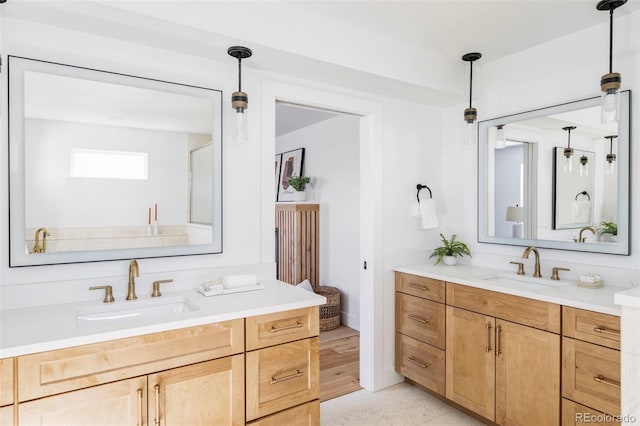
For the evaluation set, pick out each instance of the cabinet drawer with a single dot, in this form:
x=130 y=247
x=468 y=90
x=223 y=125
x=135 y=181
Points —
x=420 y=362
x=591 y=375
x=427 y=288
x=6 y=381
x=421 y=319
x=522 y=310
x=574 y=414
x=590 y=326
x=282 y=376
x=63 y=370
x=303 y=415
x=282 y=327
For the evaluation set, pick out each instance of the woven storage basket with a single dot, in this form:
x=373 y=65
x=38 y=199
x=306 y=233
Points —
x=330 y=311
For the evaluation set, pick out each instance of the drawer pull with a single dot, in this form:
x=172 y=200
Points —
x=417 y=286
x=295 y=375
x=156 y=419
x=602 y=379
x=488 y=347
x=418 y=363
x=139 y=393
x=604 y=330
x=417 y=318
x=275 y=329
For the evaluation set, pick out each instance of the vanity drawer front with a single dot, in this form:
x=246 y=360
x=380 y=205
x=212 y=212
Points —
x=303 y=415
x=590 y=326
x=420 y=362
x=421 y=319
x=282 y=327
x=6 y=381
x=591 y=375
x=522 y=310
x=282 y=376
x=574 y=414
x=427 y=288
x=63 y=370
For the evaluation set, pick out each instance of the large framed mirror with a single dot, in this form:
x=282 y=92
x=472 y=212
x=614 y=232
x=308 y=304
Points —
x=107 y=166
x=556 y=178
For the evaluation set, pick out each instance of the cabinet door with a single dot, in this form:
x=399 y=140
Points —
x=470 y=361
x=118 y=403
x=6 y=381
x=208 y=393
x=303 y=415
x=527 y=375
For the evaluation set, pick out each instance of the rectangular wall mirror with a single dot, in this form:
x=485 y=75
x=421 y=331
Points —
x=106 y=166
x=556 y=177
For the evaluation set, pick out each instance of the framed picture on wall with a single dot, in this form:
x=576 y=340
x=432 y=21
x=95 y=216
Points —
x=277 y=171
x=290 y=164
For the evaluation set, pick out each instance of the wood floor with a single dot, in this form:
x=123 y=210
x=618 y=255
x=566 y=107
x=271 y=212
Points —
x=339 y=362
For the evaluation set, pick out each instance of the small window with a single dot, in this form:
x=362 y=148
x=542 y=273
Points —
x=93 y=163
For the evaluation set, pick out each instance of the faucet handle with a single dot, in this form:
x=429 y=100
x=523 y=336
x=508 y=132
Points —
x=108 y=292
x=156 y=287
x=520 y=267
x=554 y=272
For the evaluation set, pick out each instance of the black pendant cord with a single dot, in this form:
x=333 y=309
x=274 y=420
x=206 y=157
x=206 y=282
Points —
x=470 y=82
x=610 y=41
x=569 y=138
x=239 y=74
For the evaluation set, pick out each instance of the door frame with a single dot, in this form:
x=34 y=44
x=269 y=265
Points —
x=370 y=218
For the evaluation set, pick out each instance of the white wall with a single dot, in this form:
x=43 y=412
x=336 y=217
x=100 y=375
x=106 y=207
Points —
x=332 y=160
x=563 y=70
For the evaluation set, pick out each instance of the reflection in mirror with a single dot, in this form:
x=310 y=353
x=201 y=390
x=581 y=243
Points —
x=113 y=166
x=532 y=193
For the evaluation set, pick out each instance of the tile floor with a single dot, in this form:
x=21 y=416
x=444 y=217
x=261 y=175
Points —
x=399 y=405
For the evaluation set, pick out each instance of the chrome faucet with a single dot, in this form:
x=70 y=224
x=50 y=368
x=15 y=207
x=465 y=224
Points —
x=37 y=248
x=133 y=272
x=582 y=239
x=525 y=255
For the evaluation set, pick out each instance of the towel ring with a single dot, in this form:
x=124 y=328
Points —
x=421 y=187
x=583 y=193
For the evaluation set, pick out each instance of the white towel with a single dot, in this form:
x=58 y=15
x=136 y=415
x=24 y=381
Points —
x=234 y=281
x=306 y=284
x=581 y=212
x=415 y=209
x=428 y=215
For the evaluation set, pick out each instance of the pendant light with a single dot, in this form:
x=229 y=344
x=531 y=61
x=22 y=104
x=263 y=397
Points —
x=611 y=157
x=584 y=169
x=470 y=114
x=610 y=82
x=501 y=141
x=568 y=151
x=239 y=99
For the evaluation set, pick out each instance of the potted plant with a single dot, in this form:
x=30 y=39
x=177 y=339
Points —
x=450 y=250
x=298 y=183
x=608 y=231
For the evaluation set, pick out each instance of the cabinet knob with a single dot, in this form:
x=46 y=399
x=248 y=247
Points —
x=108 y=292
x=156 y=287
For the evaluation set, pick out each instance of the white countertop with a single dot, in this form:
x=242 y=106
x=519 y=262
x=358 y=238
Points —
x=629 y=297
x=563 y=292
x=43 y=328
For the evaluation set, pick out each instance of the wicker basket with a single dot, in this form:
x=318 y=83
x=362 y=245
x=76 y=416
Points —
x=330 y=311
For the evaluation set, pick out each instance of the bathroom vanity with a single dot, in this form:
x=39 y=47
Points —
x=249 y=358
x=508 y=348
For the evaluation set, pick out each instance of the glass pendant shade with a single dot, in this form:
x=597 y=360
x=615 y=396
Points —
x=568 y=164
x=610 y=82
x=239 y=131
x=568 y=151
x=610 y=105
x=471 y=133
x=471 y=114
x=611 y=157
x=239 y=99
x=584 y=168
x=501 y=141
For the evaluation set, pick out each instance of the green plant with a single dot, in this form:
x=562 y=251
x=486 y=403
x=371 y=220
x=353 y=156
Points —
x=450 y=248
x=298 y=182
x=608 y=228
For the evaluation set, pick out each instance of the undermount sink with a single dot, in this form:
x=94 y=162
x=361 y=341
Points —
x=128 y=310
x=524 y=280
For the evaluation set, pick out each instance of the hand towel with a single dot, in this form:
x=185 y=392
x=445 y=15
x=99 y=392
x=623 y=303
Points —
x=415 y=209
x=235 y=281
x=581 y=212
x=428 y=215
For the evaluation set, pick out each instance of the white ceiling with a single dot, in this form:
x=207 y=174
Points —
x=291 y=117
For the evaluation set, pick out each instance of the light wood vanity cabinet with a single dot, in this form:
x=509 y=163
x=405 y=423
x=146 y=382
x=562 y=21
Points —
x=283 y=369
x=420 y=330
x=6 y=390
x=590 y=363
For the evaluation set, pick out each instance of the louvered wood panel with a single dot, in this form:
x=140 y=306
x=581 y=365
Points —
x=298 y=242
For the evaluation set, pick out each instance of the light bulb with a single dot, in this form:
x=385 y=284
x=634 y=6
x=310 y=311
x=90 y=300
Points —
x=471 y=133
x=240 y=125
x=610 y=102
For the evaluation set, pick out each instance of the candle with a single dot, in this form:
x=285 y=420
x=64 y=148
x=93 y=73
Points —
x=149 y=216
x=156 y=212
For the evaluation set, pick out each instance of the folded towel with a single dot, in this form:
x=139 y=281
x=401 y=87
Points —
x=235 y=281
x=306 y=284
x=428 y=215
x=581 y=212
x=415 y=209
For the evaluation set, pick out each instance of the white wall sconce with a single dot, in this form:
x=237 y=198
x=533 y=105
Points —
x=471 y=114
x=610 y=82
x=611 y=157
x=568 y=151
x=239 y=99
